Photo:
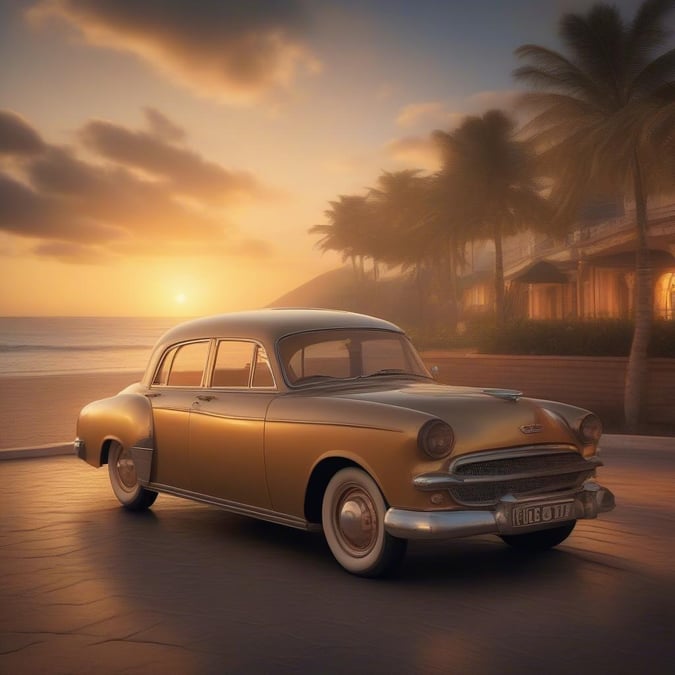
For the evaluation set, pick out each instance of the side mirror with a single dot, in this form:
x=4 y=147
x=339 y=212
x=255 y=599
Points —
x=434 y=372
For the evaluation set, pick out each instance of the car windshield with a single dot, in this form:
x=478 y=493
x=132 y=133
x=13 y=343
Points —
x=347 y=354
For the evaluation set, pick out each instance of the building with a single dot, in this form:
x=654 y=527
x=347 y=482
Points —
x=589 y=274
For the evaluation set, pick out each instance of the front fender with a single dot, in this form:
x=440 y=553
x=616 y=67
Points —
x=125 y=418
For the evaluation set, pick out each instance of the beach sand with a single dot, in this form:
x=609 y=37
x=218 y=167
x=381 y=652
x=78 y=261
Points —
x=42 y=409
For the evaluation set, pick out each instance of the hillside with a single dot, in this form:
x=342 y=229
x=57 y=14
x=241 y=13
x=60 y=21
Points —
x=391 y=298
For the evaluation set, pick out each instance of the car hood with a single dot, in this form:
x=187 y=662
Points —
x=481 y=418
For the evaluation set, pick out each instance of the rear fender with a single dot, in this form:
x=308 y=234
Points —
x=126 y=419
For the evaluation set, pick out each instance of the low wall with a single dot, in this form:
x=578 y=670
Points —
x=591 y=382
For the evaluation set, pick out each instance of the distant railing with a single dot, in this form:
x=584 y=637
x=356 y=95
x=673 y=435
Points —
x=518 y=252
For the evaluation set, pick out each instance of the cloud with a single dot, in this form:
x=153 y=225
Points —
x=26 y=212
x=162 y=127
x=426 y=113
x=17 y=137
x=419 y=151
x=184 y=170
x=426 y=116
x=226 y=49
x=72 y=252
x=447 y=115
x=79 y=210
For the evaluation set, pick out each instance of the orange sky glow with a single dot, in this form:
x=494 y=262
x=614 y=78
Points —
x=164 y=158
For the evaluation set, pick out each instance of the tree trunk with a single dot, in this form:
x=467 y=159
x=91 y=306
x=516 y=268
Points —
x=499 y=276
x=453 y=290
x=635 y=390
x=421 y=291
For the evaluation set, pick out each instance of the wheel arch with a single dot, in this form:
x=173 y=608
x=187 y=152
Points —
x=318 y=481
x=126 y=419
x=105 y=448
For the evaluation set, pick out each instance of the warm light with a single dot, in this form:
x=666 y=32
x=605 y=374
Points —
x=181 y=298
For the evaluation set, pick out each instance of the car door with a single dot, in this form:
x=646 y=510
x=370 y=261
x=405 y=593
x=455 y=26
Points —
x=177 y=384
x=227 y=426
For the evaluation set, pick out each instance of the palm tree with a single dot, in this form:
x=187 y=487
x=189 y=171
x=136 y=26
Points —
x=347 y=231
x=491 y=177
x=402 y=207
x=398 y=202
x=604 y=119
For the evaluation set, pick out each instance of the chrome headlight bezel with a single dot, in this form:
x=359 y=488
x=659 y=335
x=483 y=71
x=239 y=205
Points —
x=436 y=439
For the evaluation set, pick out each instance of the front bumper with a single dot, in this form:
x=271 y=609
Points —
x=586 y=502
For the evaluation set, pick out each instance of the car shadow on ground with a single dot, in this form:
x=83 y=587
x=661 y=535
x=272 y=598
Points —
x=185 y=532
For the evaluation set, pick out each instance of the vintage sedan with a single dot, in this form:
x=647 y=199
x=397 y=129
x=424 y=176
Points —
x=329 y=420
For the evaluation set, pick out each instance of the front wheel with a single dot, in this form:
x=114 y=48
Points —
x=122 y=472
x=540 y=540
x=353 y=523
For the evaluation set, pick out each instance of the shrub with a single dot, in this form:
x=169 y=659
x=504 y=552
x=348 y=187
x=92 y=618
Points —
x=606 y=337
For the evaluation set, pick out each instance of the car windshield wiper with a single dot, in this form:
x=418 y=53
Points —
x=389 y=371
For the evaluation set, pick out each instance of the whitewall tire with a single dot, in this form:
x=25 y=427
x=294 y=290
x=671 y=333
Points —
x=353 y=523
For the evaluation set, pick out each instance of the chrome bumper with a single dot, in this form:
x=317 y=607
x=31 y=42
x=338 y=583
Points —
x=80 y=448
x=586 y=502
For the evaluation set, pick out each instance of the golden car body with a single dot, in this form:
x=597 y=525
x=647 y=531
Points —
x=329 y=420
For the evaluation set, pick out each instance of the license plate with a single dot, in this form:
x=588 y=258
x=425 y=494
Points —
x=537 y=514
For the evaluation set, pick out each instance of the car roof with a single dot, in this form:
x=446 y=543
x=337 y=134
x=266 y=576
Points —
x=268 y=325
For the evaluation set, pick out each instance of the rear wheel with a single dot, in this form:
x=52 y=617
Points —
x=122 y=472
x=353 y=523
x=542 y=539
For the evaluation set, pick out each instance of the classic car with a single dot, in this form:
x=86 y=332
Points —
x=327 y=420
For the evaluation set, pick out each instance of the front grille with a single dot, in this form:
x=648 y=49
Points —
x=508 y=465
x=522 y=475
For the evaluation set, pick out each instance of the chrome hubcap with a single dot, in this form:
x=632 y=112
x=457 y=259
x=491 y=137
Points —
x=126 y=469
x=357 y=520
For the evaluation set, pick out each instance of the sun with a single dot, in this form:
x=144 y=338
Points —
x=181 y=298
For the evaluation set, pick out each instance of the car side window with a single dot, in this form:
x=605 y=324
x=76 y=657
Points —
x=233 y=364
x=262 y=375
x=183 y=366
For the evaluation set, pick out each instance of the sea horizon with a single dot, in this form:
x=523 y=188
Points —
x=50 y=345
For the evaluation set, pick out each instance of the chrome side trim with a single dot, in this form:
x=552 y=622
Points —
x=587 y=502
x=208 y=413
x=236 y=507
x=349 y=425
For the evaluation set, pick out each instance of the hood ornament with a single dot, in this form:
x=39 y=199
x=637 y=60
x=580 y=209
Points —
x=531 y=428
x=505 y=394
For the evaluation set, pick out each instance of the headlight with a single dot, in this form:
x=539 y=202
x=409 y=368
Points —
x=590 y=428
x=436 y=439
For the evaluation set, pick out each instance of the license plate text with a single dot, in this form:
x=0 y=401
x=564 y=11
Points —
x=541 y=513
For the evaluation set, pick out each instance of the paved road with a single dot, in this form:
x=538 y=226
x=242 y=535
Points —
x=88 y=588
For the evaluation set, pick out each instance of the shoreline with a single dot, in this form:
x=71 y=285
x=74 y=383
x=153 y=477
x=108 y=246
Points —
x=40 y=409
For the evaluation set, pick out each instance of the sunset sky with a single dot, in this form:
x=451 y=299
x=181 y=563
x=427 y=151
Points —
x=167 y=157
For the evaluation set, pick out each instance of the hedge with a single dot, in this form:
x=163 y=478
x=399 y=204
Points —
x=559 y=338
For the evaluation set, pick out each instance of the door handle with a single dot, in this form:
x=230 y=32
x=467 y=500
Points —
x=205 y=397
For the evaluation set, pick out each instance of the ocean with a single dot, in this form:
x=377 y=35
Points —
x=51 y=345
